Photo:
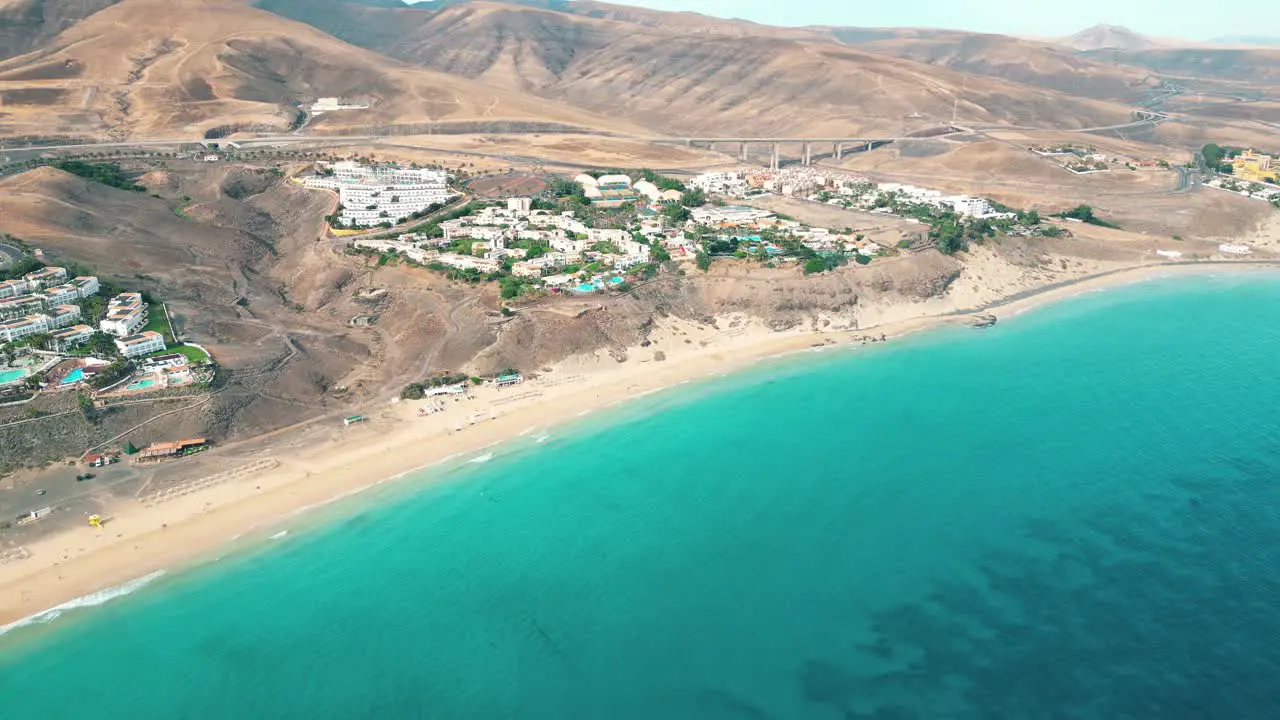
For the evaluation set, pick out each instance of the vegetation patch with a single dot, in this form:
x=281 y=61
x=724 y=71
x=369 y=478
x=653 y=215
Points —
x=105 y=173
x=1084 y=214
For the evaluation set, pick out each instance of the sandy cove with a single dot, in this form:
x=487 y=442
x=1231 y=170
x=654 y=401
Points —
x=140 y=539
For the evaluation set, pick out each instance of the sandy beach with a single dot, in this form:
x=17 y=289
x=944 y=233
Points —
x=151 y=534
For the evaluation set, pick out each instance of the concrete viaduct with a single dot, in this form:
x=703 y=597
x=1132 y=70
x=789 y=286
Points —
x=839 y=146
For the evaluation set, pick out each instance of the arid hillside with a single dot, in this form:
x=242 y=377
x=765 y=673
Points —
x=1149 y=201
x=27 y=24
x=1248 y=65
x=1008 y=58
x=144 y=68
x=697 y=79
x=1109 y=37
x=243 y=270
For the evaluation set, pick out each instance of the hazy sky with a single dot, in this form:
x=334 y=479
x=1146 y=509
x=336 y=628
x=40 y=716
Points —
x=1164 y=18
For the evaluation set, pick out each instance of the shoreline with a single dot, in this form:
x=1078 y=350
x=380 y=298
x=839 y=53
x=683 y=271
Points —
x=141 y=540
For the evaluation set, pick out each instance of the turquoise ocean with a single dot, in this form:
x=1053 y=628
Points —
x=1075 y=514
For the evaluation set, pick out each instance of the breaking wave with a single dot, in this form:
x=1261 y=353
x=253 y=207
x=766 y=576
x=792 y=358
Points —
x=85 y=601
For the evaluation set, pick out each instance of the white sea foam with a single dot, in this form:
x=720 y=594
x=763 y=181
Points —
x=279 y=535
x=85 y=601
x=542 y=438
x=481 y=458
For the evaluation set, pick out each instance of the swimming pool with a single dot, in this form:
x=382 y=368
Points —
x=12 y=376
x=140 y=385
x=597 y=284
x=74 y=376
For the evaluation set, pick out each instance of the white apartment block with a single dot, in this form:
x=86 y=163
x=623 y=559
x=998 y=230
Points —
x=372 y=194
x=565 y=245
x=567 y=222
x=539 y=235
x=617 y=237
x=467 y=262
x=20 y=306
x=478 y=232
x=14 y=288
x=63 y=340
x=46 y=277
x=539 y=266
x=88 y=285
x=61 y=316
x=143 y=343
x=971 y=206
x=125 y=314
x=528 y=268
x=59 y=295
x=19 y=328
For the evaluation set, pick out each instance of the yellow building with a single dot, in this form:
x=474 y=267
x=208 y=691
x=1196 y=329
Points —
x=1253 y=167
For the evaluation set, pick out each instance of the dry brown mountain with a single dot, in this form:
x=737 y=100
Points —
x=27 y=24
x=164 y=67
x=1023 y=61
x=1246 y=65
x=706 y=78
x=1108 y=37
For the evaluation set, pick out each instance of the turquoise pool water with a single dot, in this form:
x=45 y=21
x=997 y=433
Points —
x=74 y=376
x=9 y=376
x=141 y=385
x=596 y=285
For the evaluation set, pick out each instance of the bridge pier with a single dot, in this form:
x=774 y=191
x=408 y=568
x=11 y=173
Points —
x=808 y=153
x=742 y=151
x=837 y=150
x=773 y=164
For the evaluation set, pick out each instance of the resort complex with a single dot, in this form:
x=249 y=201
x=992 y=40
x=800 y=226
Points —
x=600 y=229
x=70 y=339
x=1251 y=166
x=516 y=240
x=371 y=195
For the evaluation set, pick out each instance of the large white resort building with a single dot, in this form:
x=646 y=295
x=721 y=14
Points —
x=126 y=313
x=373 y=194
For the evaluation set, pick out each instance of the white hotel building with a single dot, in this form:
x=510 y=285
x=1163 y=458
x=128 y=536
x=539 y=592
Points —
x=14 y=288
x=372 y=194
x=65 y=339
x=59 y=295
x=144 y=343
x=16 y=329
x=125 y=314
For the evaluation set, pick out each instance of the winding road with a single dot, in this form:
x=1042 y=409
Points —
x=9 y=256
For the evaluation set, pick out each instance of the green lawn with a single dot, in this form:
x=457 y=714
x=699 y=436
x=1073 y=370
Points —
x=194 y=354
x=157 y=322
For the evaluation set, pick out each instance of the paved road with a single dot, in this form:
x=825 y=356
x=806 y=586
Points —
x=9 y=255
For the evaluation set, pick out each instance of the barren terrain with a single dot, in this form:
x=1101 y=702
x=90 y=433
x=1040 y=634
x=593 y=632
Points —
x=195 y=66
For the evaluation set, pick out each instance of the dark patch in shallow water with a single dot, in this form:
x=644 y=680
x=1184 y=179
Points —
x=1168 y=613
